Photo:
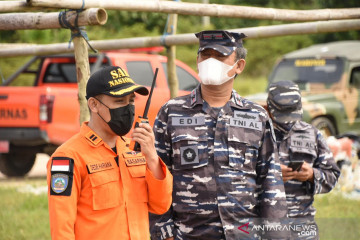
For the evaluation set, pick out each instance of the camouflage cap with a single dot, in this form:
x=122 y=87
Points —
x=284 y=102
x=222 y=41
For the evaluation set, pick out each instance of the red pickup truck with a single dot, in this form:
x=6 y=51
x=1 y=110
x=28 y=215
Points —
x=37 y=119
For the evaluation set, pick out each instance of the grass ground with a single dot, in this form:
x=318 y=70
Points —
x=24 y=215
x=337 y=217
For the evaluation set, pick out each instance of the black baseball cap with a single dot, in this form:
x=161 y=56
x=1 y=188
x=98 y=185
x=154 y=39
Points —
x=112 y=81
x=222 y=41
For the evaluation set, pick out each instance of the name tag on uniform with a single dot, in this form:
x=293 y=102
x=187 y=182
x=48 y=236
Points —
x=245 y=123
x=246 y=120
x=303 y=140
x=188 y=121
x=134 y=158
x=99 y=166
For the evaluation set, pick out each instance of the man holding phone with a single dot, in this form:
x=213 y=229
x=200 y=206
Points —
x=307 y=164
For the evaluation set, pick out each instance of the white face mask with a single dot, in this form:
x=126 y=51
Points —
x=214 y=72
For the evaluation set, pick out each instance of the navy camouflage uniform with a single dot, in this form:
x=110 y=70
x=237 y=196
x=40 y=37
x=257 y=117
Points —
x=224 y=165
x=299 y=140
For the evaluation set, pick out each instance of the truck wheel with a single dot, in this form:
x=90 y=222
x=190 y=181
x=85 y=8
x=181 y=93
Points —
x=16 y=164
x=325 y=126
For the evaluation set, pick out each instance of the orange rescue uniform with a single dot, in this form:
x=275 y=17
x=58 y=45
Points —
x=106 y=201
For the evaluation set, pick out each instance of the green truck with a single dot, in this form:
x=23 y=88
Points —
x=329 y=78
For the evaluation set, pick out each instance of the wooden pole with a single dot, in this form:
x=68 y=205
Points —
x=189 y=38
x=16 y=45
x=82 y=74
x=212 y=10
x=17 y=6
x=20 y=21
x=205 y=20
x=171 y=56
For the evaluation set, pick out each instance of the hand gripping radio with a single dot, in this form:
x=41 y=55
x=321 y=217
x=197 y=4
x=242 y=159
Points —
x=135 y=146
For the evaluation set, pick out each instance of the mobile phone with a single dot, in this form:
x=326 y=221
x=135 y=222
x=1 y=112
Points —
x=296 y=165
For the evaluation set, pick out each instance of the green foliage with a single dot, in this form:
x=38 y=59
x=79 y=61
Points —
x=8 y=66
x=247 y=85
x=262 y=53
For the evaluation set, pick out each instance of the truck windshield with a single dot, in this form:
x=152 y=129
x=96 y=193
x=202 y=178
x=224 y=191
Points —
x=309 y=70
x=65 y=72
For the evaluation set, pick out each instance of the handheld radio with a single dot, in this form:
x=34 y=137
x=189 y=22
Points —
x=135 y=146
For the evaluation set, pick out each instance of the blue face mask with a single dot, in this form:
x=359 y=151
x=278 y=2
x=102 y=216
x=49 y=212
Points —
x=122 y=118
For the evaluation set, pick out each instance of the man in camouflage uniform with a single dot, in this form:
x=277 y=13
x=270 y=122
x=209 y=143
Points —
x=221 y=151
x=299 y=141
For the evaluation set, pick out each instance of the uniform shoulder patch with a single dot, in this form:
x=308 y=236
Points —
x=93 y=138
x=61 y=176
x=59 y=182
x=62 y=164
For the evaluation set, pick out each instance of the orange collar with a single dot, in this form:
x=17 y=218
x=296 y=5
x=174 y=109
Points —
x=95 y=140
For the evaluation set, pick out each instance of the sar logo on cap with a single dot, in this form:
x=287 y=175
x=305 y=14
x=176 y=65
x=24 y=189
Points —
x=112 y=81
x=119 y=76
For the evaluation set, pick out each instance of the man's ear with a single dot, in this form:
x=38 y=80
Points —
x=240 y=66
x=93 y=104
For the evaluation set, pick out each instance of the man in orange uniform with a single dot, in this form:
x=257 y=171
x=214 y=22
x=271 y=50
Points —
x=98 y=187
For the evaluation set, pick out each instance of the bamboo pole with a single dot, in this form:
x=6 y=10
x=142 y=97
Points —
x=20 y=21
x=17 y=6
x=212 y=10
x=171 y=56
x=82 y=74
x=205 y=20
x=16 y=45
x=183 y=39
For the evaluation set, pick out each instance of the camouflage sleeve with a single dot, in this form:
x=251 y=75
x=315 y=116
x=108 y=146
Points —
x=162 y=226
x=326 y=172
x=272 y=198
